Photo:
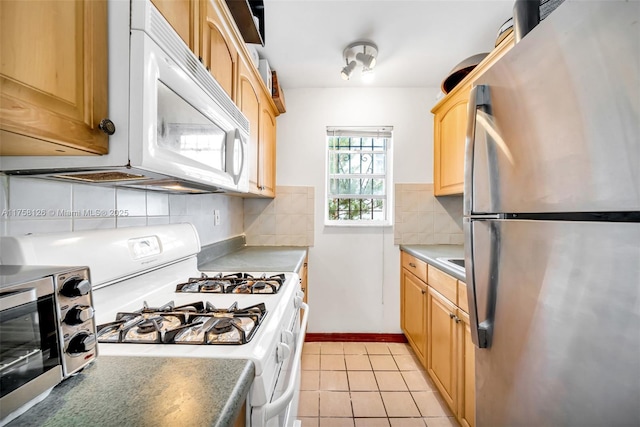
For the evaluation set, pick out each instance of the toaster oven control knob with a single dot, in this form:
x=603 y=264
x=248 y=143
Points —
x=78 y=314
x=107 y=126
x=75 y=287
x=81 y=343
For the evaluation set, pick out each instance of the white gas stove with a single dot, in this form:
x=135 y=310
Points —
x=136 y=272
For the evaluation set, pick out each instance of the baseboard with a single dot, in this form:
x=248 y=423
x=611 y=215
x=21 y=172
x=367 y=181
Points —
x=352 y=337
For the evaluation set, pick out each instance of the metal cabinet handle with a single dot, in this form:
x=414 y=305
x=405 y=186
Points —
x=423 y=291
x=451 y=315
x=412 y=265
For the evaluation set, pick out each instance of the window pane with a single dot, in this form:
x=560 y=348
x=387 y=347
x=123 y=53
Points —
x=379 y=164
x=357 y=165
x=360 y=186
x=356 y=209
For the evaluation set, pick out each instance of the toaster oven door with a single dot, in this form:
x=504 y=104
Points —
x=30 y=361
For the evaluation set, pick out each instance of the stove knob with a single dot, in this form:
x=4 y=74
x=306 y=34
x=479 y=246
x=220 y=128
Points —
x=78 y=314
x=75 y=287
x=81 y=343
x=283 y=352
x=286 y=337
x=297 y=300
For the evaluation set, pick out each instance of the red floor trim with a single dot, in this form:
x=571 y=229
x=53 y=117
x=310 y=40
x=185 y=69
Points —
x=349 y=337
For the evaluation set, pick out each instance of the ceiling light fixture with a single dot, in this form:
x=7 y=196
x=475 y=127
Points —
x=348 y=70
x=363 y=53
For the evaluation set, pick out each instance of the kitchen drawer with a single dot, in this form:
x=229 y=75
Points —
x=415 y=265
x=443 y=283
x=463 y=303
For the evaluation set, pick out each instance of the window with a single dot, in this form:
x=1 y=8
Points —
x=359 y=176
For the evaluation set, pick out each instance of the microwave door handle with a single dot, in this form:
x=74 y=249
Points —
x=233 y=140
x=15 y=299
x=240 y=140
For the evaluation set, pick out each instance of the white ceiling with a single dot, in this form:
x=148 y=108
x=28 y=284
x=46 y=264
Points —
x=419 y=41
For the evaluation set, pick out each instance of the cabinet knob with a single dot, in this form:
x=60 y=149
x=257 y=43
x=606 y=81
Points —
x=412 y=265
x=423 y=291
x=107 y=126
x=451 y=315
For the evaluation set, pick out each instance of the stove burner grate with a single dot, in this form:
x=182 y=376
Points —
x=196 y=323
x=237 y=283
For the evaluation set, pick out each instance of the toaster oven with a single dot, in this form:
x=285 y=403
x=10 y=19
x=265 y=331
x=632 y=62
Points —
x=47 y=332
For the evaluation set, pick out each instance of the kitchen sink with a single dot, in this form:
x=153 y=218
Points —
x=455 y=263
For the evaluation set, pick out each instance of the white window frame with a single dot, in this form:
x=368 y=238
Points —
x=355 y=131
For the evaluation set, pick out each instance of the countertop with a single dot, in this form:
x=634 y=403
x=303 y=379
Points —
x=146 y=391
x=259 y=259
x=430 y=253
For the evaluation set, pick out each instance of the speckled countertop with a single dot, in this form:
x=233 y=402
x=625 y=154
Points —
x=259 y=259
x=431 y=253
x=146 y=391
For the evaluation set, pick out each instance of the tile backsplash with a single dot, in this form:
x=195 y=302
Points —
x=31 y=205
x=423 y=219
x=286 y=220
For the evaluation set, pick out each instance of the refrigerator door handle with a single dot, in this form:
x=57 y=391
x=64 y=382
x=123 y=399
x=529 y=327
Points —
x=480 y=331
x=479 y=99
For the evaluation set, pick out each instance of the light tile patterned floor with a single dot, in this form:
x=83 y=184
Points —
x=367 y=385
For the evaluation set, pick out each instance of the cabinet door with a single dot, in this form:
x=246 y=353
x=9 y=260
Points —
x=249 y=103
x=413 y=309
x=219 y=54
x=441 y=345
x=182 y=15
x=466 y=372
x=53 y=77
x=267 y=149
x=450 y=128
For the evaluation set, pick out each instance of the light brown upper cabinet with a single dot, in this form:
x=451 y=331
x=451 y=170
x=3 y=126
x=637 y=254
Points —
x=53 y=77
x=267 y=148
x=450 y=127
x=183 y=17
x=218 y=52
x=249 y=103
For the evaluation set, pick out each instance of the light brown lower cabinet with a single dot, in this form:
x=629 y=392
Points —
x=466 y=372
x=304 y=282
x=434 y=318
x=442 y=345
x=414 y=313
x=241 y=420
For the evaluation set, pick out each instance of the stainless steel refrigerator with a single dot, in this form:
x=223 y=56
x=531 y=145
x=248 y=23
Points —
x=552 y=223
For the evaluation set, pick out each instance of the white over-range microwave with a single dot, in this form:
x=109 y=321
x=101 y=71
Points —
x=176 y=129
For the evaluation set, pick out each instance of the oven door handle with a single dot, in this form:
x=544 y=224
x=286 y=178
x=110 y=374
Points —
x=271 y=409
x=20 y=297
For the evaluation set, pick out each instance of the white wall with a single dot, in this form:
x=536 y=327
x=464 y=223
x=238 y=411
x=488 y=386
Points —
x=31 y=205
x=354 y=272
